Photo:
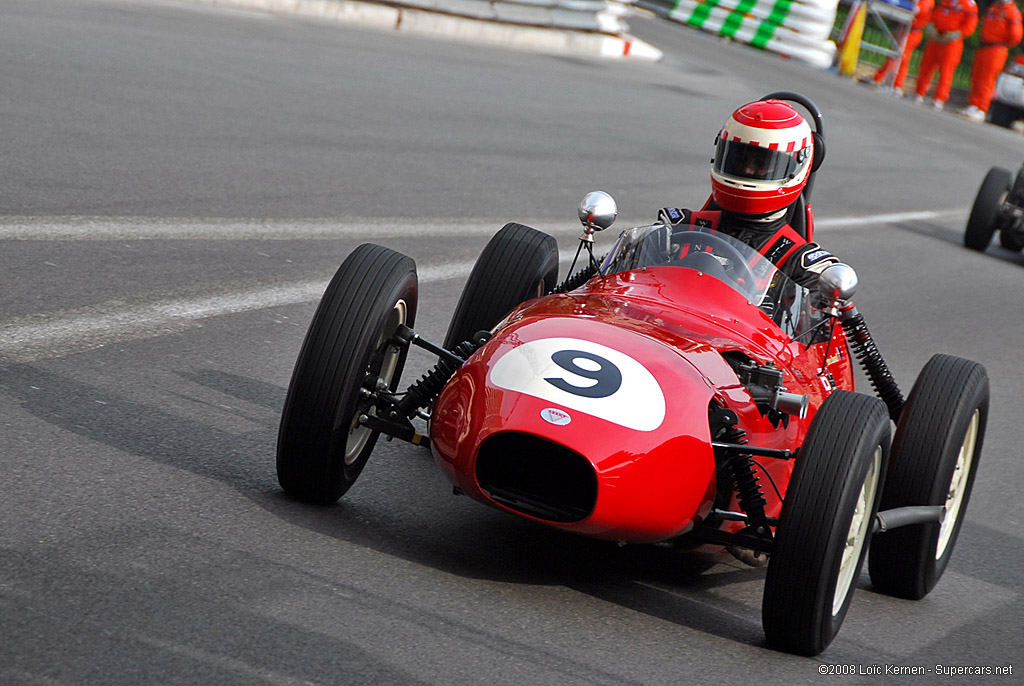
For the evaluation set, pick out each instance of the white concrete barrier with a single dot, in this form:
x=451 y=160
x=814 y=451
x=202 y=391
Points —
x=581 y=27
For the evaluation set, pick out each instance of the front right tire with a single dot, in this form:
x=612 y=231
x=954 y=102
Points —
x=517 y=264
x=826 y=523
x=935 y=457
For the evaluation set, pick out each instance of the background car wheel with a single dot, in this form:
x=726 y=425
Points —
x=517 y=264
x=1002 y=115
x=1011 y=240
x=935 y=457
x=320 y=447
x=981 y=223
x=826 y=523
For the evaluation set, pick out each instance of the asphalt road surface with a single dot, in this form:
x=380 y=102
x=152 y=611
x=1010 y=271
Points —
x=177 y=185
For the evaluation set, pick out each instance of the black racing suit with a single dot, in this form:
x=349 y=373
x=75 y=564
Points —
x=775 y=239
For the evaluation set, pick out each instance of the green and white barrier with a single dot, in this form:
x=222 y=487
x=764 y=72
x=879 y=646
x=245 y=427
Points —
x=794 y=28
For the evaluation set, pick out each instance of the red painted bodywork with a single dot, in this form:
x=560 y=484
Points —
x=652 y=485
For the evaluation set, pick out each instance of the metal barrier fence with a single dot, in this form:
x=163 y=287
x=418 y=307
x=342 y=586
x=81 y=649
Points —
x=874 y=35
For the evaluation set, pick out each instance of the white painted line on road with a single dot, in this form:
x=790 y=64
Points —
x=879 y=219
x=150 y=228
x=60 y=333
x=56 y=334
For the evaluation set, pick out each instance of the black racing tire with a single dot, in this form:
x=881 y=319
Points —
x=1017 y=189
x=935 y=456
x=984 y=217
x=320 y=448
x=826 y=523
x=1011 y=239
x=517 y=264
x=1003 y=115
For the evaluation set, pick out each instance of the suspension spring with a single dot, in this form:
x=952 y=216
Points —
x=425 y=390
x=731 y=433
x=749 y=494
x=878 y=373
x=576 y=280
x=748 y=486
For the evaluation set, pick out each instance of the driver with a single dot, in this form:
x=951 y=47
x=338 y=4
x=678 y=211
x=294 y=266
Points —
x=763 y=160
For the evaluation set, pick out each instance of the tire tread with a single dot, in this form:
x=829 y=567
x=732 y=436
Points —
x=310 y=462
x=797 y=584
x=948 y=390
x=509 y=266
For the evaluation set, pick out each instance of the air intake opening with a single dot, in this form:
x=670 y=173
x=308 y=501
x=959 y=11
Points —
x=537 y=477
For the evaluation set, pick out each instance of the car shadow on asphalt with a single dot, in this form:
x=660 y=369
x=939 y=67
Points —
x=402 y=506
x=955 y=236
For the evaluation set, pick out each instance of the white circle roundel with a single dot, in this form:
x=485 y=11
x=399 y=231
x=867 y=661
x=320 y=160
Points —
x=555 y=416
x=584 y=376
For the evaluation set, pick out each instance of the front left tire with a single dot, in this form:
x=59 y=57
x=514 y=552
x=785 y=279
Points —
x=321 y=447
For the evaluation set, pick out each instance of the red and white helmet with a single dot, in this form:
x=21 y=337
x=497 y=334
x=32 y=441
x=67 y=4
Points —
x=762 y=158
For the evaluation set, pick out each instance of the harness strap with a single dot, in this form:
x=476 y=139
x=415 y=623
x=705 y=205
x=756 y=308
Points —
x=776 y=250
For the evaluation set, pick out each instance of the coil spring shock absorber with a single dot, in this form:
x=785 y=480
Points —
x=874 y=365
x=837 y=284
x=748 y=486
x=425 y=390
x=575 y=281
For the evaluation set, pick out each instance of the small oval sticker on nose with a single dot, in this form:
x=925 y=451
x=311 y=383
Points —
x=556 y=417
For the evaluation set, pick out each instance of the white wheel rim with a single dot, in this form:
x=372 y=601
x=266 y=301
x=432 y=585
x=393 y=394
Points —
x=358 y=435
x=958 y=485
x=858 y=533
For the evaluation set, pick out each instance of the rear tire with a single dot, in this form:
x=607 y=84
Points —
x=935 y=458
x=1012 y=239
x=321 y=449
x=982 y=222
x=517 y=264
x=1002 y=115
x=825 y=524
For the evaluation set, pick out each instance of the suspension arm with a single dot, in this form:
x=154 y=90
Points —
x=406 y=335
x=396 y=428
x=736 y=449
x=742 y=539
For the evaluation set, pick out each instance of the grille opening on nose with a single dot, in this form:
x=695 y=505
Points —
x=537 y=477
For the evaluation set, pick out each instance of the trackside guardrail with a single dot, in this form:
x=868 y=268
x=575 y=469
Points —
x=603 y=16
x=581 y=26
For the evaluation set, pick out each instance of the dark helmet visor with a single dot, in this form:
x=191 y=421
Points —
x=746 y=161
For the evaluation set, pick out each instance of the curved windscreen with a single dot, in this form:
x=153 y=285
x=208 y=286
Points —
x=732 y=262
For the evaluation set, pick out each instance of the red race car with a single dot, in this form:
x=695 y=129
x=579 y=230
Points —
x=681 y=391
